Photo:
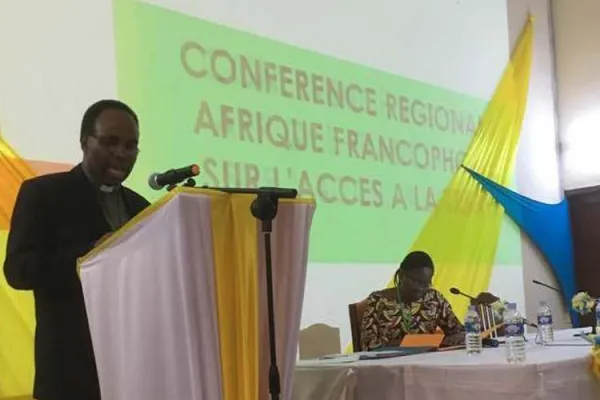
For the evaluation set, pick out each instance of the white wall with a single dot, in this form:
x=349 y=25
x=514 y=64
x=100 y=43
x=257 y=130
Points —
x=56 y=58
x=577 y=39
x=537 y=160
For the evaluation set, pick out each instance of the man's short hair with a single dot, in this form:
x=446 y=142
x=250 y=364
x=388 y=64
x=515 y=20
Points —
x=88 y=123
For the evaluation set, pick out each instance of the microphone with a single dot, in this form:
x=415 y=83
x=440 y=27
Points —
x=282 y=193
x=455 y=291
x=546 y=286
x=173 y=176
x=483 y=298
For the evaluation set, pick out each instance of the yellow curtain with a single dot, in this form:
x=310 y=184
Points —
x=596 y=362
x=462 y=232
x=236 y=282
x=17 y=322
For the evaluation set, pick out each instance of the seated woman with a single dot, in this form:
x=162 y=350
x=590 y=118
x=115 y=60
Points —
x=412 y=306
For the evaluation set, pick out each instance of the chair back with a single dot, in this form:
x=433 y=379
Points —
x=356 y=312
x=319 y=340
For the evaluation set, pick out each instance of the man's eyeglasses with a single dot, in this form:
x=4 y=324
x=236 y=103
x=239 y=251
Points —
x=114 y=144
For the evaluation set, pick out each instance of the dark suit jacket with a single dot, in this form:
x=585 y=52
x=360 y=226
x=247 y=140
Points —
x=58 y=218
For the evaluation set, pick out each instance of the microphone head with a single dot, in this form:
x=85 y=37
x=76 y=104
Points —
x=153 y=183
x=454 y=290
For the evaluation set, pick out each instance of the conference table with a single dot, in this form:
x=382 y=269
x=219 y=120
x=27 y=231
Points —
x=557 y=372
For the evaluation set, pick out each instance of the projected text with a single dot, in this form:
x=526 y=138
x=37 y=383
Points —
x=293 y=130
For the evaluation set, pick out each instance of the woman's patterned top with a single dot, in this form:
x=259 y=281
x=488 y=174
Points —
x=385 y=321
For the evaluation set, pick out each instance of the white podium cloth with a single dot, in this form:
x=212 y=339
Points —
x=152 y=304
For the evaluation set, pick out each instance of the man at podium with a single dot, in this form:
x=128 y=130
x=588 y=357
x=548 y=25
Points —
x=58 y=218
x=411 y=307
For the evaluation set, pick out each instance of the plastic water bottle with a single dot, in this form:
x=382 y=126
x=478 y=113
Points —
x=597 y=312
x=473 y=331
x=544 y=319
x=515 y=339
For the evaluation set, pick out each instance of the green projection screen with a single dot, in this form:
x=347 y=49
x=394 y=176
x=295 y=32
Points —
x=375 y=149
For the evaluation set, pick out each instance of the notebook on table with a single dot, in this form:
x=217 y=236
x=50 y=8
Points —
x=423 y=340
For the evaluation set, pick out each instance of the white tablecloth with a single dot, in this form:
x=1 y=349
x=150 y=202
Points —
x=556 y=373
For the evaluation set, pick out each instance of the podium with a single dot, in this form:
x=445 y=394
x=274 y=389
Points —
x=176 y=299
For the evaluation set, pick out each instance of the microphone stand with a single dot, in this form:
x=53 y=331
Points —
x=574 y=317
x=264 y=208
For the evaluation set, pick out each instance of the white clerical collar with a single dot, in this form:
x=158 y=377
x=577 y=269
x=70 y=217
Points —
x=107 y=189
x=102 y=187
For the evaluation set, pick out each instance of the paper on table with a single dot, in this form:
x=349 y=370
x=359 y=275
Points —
x=569 y=343
x=339 y=358
x=582 y=340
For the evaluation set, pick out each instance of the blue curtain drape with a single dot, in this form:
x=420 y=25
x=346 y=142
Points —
x=547 y=225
